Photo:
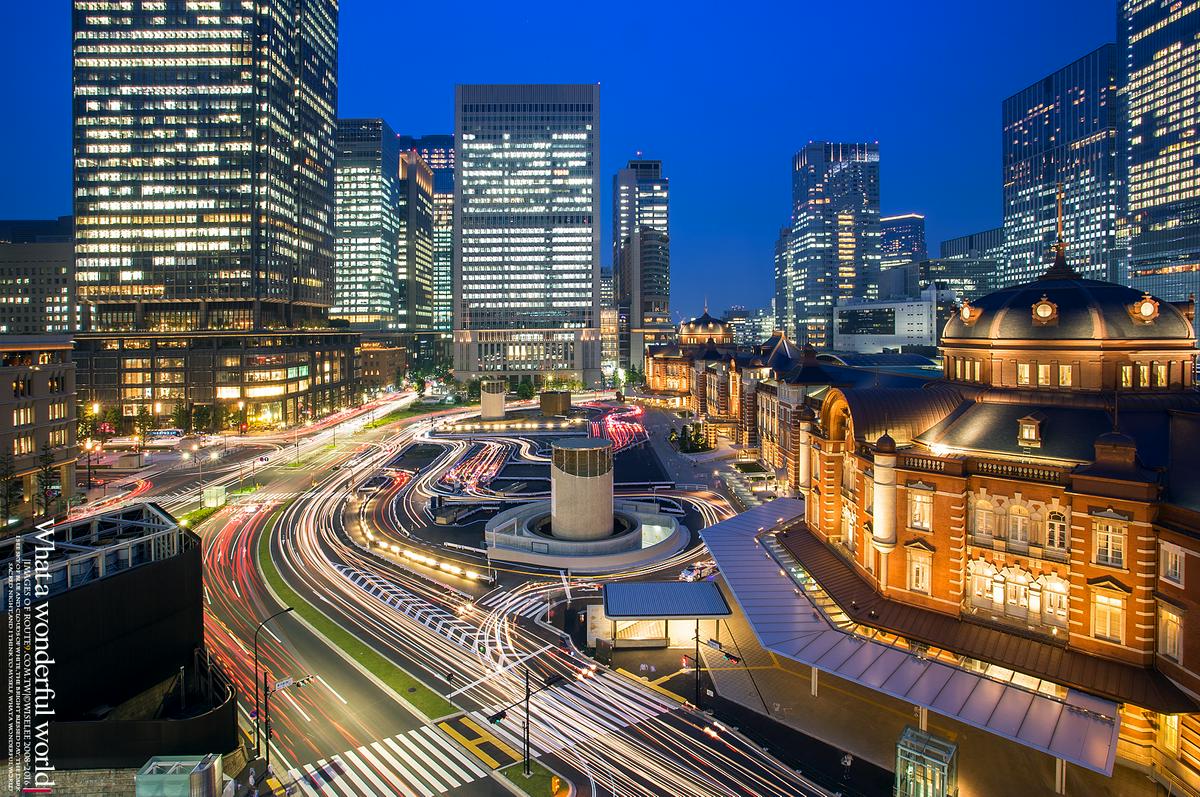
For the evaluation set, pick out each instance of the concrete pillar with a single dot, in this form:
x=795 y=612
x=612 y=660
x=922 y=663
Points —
x=491 y=399
x=812 y=680
x=1060 y=776
x=581 y=489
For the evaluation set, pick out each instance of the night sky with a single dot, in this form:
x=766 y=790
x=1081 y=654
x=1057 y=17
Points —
x=724 y=94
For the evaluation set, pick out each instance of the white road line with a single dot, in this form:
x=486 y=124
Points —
x=350 y=758
x=424 y=771
x=421 y=740
x=383 y=769
x=472 y=764
x=296 y=705
x=331 y=689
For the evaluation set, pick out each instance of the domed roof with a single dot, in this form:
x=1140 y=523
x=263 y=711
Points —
x=1063 y=306
x=703 y=323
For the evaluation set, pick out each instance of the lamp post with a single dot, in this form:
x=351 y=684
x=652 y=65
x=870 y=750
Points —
x=256 y=630
x=199 y=460
x=88 y=447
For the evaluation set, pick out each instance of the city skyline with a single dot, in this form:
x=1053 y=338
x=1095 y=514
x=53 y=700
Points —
x=909 y=125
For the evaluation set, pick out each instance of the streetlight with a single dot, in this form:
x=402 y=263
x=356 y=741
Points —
x=199 y=460
x=256 y=630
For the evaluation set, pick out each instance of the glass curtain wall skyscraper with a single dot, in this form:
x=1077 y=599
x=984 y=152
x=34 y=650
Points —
x=204 y=164
x=641 y=258
x=901 y=240
x=416 y=242
x=527 y=213
x=1161 y=62
x=204 y=205
x=438 y=153
x=1063 y=130
x=832 y=252
x=367 y=293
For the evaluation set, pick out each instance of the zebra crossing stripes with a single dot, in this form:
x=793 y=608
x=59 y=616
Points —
x=434 y=617
x=419 y=762
x=532 y=607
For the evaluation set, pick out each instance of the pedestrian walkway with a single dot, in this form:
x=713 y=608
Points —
x=531 y=606
x=419 y=762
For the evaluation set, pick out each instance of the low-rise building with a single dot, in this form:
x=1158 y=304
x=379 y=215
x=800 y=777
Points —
x=37 y=426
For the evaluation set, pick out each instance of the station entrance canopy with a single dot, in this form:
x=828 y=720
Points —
x=1079 y=728
x=664 y=600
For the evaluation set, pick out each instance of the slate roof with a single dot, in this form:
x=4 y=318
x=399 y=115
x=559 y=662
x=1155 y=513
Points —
x=902 y=412
x=1087 y=310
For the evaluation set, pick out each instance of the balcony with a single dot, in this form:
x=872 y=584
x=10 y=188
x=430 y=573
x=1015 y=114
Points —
x=1019 y=471
x=1033 y=550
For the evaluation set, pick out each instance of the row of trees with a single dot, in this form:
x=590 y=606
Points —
x=690 y=439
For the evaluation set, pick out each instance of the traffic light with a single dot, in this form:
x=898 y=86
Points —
x=733 y=658
x=498 y=717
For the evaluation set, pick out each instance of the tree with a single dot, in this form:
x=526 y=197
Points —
x=181 y=416
x=45 y=498
x=473 y=388
x=10 y=487
x=113 y=420
x=525 y=390
x=144 y=422
x=202 y=418
x=87 y=423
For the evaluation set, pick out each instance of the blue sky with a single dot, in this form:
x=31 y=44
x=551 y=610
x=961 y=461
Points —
x=722 y=93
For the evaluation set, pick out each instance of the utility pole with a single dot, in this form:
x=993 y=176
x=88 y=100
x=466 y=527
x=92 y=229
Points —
x=527 y=772
x=697 y=662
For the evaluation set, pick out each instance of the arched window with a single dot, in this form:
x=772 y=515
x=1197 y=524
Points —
x=1057 y=531
x=848 y=524
x=1018 y=525
x=982 y=576
x=1056 y=601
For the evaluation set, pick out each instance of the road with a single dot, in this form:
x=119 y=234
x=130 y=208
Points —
x=344 y=734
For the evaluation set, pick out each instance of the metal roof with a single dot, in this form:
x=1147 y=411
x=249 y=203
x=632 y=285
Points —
x=1079 y=728
x=652 y=600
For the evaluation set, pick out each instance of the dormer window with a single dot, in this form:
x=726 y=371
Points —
x=1144 y=310
x=1045 y=312
x=1029 y=431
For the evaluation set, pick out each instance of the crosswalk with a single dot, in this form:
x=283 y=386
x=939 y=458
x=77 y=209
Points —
x=428 y=614
x=532 y=607
x=420 y=762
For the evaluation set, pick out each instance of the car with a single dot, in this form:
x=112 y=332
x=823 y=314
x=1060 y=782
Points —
x=698 y=571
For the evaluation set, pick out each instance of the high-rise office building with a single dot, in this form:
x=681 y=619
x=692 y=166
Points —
x=416 y=244
x=969 y=277
x=739 y=321
x=986 y=244
x=1062 y=130
x=526 y=231
x=204 y=208
x=1161 y=151
x=901 y=240
x=367 y=290
x=641 y=258
x=832 y=251
x=438 y=153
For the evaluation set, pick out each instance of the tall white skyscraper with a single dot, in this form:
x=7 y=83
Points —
x=527 y=232
x=641 y=259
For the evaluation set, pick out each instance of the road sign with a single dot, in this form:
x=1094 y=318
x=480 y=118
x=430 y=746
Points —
x=284 y=684
x=714 y=644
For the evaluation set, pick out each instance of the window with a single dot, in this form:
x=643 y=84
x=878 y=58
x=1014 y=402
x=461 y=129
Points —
x=919 y=566
x=1143 y=374
x=1057 y=533
x=1126 y=376
x=1022 y=373
x=1029 y=433
x=22 y=416
x=1064 y=376
x=1018 y=595
x=1110 y=544
x=1170 y=567
x=1043 y=371
x=1168 y=732
x=985 y=520
x=1158 y=377
x=1108 y=617
x=978 y=370
x=1170 y=629
x=1055 y=606
x=1018 y=525
x=920 y=509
